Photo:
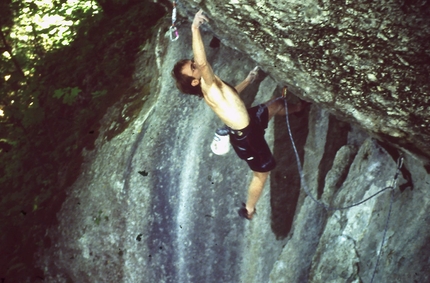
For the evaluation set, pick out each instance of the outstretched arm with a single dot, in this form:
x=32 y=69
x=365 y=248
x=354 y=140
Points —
x=249 y=79
x=199 y=49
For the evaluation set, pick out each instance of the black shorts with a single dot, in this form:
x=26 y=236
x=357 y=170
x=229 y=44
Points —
x=249 y=143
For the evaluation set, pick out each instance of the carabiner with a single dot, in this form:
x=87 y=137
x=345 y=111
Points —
x=400 y=162
x=399 y=166
x=174 y=35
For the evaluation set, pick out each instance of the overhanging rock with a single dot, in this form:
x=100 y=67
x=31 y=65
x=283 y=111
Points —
x=367 y=62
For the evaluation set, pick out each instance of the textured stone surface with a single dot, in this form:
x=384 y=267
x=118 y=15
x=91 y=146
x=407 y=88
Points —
x=177 y=220
x=155 y=205
x=349 y=247
x=368 y=62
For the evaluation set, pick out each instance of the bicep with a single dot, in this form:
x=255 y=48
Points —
x=207 y=74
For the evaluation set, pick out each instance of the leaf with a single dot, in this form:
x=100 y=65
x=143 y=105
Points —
x=75 y=91
x=70 y=97
x=68 y=94
x=58 y=93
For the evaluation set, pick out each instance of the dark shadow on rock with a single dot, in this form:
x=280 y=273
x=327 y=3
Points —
x=215 y=43
x=337 y=136
x=285 y=178
x=395 y=154
x=250 y=92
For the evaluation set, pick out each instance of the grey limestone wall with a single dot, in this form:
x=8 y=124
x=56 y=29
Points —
x=153 y=204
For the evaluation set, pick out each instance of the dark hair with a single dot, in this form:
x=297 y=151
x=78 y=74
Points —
x=183 y=82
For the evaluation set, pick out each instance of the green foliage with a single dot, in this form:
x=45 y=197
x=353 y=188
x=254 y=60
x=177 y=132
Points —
x=68 y=94
x=53 y=96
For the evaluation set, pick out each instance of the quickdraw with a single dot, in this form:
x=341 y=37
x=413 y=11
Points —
x=284 y=92
x=174 y=35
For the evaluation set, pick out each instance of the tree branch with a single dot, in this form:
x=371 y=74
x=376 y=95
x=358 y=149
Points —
x=8 y=49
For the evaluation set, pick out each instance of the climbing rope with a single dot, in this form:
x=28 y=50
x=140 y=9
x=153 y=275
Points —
x=385 y=233
x=174 y=35
x=327 y=207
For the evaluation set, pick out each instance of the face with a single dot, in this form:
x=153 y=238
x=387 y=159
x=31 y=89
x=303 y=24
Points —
x=191 y=70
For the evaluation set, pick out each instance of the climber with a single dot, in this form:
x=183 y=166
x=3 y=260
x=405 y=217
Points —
x=247 y=127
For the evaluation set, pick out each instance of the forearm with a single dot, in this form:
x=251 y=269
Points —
x=240 y=87
x=249 y=79
x=198 y=47
x=207 y=75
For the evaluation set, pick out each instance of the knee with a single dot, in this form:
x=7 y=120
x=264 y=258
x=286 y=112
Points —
x=262 y=176
x=276 y=108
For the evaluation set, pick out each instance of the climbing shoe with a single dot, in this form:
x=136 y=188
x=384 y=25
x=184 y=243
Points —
x=243 y=212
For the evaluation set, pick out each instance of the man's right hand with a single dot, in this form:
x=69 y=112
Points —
x=252 y=75
x=199 y=19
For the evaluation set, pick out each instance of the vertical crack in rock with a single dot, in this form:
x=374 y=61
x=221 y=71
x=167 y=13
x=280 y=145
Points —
x=295 y=261
x=337 y=136
x=285 y=178
x=347 y=227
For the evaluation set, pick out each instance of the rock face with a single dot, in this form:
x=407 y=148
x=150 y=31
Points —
x=153 y=204
x=367 y=62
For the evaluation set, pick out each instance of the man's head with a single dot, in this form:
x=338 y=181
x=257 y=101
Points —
x=187 y=77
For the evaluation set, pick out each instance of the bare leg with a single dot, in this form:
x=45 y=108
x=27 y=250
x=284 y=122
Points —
x=254 y=191
x=275 y=106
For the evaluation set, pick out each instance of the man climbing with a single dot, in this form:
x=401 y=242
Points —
x=247 y=126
